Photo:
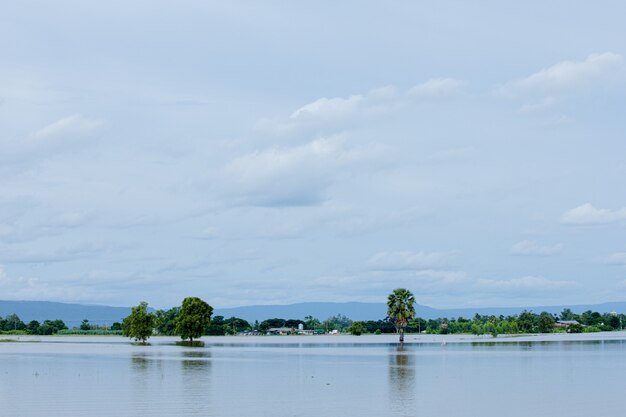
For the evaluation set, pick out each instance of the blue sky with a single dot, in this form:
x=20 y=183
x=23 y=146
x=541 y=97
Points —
x=279 y=152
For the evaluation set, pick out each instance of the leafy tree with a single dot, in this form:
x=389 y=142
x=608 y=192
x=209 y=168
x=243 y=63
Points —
x=84 y=325
x=13 y=322
x=567 y=314
x=329 y=325
x=613 y=321
x=116 y=326
x=57 y=324
x=33 y=327
x=216 y=326
x=575 y=328
x=382 y=326
x=416 y=325
x=357 y=328
x=236 y=325
x=166 y=321
x=339 y=322
x=545 y=323
x=139 y=324
x=526 y=322
x=311 y=323
x=49 y=327
x=271 y=323
x=195 y=315
x=293 y=323
x=400 y=309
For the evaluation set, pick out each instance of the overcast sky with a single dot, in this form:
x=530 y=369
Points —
x=269 y=152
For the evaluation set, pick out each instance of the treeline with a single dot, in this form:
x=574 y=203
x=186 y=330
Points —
x=525 y=322
x=164 y=322
x=13 y=324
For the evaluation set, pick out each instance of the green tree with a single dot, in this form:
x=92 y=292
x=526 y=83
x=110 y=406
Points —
x=166 y=321
x=116 y=326
x=526 y=322
x=139 y=324
x=575 y=328
x=311 y=323
x=545 y=323
x=84 y=325
x=270 y=324
x=567 y=314
x=400 y=309
x=340 y=322
x=237 y=325
x=216 y=326
x=194 y=317
x=12 y=322
x=357 y=328
x=293 y=323
x=33 y=327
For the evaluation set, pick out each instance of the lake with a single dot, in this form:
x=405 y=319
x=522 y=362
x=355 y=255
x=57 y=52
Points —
x=554 y=375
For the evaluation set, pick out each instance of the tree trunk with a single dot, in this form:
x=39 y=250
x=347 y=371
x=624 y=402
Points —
x=401 y=334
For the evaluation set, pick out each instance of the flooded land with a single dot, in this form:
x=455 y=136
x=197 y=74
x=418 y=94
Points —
x=555 y=375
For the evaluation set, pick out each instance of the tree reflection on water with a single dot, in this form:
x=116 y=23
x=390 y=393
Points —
x=402 y=382
x=196 y=382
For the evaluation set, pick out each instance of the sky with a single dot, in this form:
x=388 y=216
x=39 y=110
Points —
x=275 y=152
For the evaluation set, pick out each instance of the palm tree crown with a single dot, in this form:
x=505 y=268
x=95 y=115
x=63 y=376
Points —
x=400 y=309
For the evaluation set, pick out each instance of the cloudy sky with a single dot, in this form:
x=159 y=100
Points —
x=275 y=152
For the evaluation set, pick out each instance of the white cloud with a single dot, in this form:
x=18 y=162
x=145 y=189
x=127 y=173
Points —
x=524 y=285
x=588 y=214
x=544 y=104
x=22 y=288
x=409 y=260
x=295 y=175
x=337 y=112
x=437 y=87
x=73 y=125
x=339 y=108
x=66 y=134
x=599 y=68
x=618 y=258
x=442 y=277
x=532 y=248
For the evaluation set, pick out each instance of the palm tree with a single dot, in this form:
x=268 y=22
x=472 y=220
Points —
x=400 y=309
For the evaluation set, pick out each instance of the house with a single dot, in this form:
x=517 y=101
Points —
x=565 y=323
x=280 y=330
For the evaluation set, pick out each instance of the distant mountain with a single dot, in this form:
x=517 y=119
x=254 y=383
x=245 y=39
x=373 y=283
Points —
x=353 y=310
x=376 y=311
x=73 y=314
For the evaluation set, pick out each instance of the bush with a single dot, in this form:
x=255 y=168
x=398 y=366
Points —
x=575 y=328
x=357 y=328
x=591 y=329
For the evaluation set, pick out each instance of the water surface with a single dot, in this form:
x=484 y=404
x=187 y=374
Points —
x=558 y=375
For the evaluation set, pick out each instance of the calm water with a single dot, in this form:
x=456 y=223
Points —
x=564 y=375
